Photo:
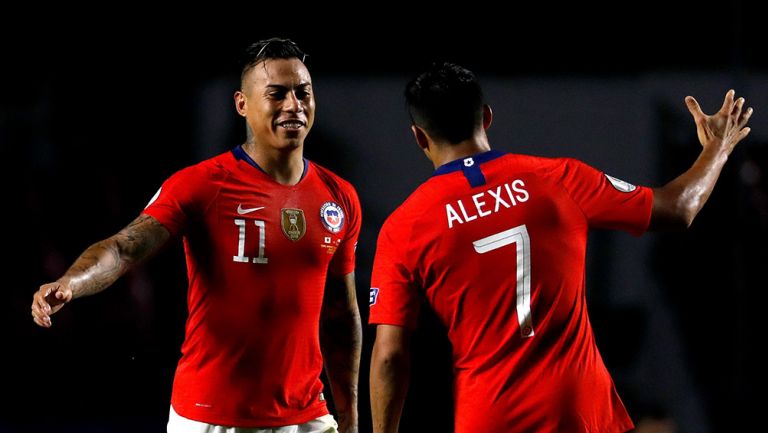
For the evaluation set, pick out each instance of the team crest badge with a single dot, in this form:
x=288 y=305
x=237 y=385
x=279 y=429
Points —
x=620 y=184
x=332 y=216
x=293 y=223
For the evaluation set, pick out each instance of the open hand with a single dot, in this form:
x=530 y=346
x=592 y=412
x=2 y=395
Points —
x=724 y=129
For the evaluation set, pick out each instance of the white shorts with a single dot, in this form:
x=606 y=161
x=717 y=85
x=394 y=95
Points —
x=179 y=424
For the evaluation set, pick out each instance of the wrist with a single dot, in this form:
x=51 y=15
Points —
x=65 y=283
x=718 y=155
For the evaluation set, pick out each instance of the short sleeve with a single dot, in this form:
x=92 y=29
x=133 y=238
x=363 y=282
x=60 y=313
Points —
x=185 y=194
x=608 y=202
x=343 y=261
x=394 y=298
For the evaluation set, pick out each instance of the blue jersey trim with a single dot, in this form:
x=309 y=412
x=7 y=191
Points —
x=470 y=166
x=241 y=155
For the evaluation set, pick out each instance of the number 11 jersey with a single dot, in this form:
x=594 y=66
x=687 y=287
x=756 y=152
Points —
x=258 y=253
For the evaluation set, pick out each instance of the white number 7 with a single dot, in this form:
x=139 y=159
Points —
x=518 y=236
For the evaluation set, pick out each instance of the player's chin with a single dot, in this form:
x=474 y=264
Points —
x=288 y=143
x=292 y=137
x=298 y=133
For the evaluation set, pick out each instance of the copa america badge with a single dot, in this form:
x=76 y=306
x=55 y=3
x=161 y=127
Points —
x=332 y=216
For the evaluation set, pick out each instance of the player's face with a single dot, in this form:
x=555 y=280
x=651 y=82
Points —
x=278 y=103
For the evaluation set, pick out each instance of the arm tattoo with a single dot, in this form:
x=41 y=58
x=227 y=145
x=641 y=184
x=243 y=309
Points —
x=105 y=261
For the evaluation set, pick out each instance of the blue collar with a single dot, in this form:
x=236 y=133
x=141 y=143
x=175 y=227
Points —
x=470 y=166
x=473 y=160
x=241 y=155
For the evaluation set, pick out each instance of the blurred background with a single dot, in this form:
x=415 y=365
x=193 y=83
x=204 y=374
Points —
x=95 y=114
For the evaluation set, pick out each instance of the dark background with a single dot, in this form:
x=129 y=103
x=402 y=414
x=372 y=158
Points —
x=95 y=114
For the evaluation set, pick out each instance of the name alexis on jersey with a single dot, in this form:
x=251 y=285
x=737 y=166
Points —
x=485 y=203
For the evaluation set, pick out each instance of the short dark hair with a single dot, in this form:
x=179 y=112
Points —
x=273 y=48
x=446 y=101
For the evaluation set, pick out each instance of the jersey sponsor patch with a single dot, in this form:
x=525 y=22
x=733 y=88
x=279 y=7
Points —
x=293 y=223
x=373 y=296
x=332 y=216
x=154 y=197
x=620 y=184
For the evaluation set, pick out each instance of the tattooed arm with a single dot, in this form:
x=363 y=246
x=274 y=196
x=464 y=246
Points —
x=99 y=266
x=341 y=340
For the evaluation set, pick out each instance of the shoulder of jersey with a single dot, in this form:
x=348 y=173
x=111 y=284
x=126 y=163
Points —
x=542 y=164
x=527 y=162
x=330 y=178
x=214 y=168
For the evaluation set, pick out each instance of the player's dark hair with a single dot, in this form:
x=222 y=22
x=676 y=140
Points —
x=446 y=101
x=273 y=48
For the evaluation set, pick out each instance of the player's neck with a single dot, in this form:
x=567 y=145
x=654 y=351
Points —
x=444 y=153
x=284 y=166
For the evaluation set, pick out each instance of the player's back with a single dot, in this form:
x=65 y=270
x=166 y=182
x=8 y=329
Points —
x=497 y=243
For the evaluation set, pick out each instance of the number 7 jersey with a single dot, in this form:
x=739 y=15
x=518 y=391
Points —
x=258 y=253
x=496 y=245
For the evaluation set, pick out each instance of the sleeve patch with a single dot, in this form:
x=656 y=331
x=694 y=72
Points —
x=373 y=296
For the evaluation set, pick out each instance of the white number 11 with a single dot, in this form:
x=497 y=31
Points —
x=240 y=257
x=518 y=236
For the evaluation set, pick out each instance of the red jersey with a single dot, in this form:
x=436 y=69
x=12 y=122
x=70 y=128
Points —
x=496 y=244
x=257 y=257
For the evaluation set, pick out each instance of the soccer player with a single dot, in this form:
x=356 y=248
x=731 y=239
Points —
x=262 y=227
x=495 y=243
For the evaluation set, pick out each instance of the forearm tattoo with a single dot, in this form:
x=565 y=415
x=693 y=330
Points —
x=105 y=261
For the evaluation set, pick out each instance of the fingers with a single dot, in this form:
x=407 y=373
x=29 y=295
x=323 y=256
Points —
x=740 y=118
x=728 y=101
x=737 y=108
x=745 y=117
x=45 y=323
x=694 y=108
x=41 y=309
x=743 y=133
x=48 y=300
x=40 y=302
x=702 y=129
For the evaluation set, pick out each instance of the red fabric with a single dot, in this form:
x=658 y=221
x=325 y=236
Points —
x=555 y=380
x=251 y=356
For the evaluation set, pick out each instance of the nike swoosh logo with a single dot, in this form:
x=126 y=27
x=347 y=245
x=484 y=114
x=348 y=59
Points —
x=242 y=211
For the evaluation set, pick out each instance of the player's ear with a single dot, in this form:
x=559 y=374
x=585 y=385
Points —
x=241 y=103
x=421 y=137
x=487 y=116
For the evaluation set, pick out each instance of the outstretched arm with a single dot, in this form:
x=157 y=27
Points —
x=99 y=266
x=677 y=203
x=390 y=374
x=341 y=338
